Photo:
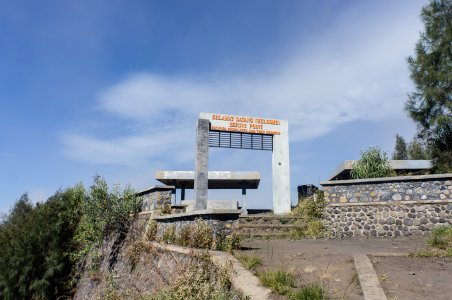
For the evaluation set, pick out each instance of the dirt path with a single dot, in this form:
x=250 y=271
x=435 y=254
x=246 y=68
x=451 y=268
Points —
x=327 y=261
x=415 y=278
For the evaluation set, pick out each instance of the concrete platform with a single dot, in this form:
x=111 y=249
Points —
x=155 y=188
x=216 y=179
x=212 y=204
x=342 y=172
x=194 y=214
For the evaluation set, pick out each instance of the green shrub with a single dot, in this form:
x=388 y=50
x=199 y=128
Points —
x=151 y=230
x=169 y=234
x=250 y=261
x=226 y=243
x=135 y=250
x=311 y=212
x=441 y=238
x=201 y=280
x=373 y=164
x=201 y=235
x=105 y=212
x=440 y=241
x=111 y=291
x=315 y=228
x=312 y=291
x=279 y=281
x=310 y=208
x=184 y=237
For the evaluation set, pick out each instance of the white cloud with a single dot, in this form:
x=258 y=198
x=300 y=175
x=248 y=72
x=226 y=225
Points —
x=130 y=150
x=354 y=71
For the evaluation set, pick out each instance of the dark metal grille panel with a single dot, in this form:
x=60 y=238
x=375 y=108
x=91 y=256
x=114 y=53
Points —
x=240 y=140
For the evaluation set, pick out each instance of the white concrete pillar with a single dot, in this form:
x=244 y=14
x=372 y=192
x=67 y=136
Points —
x=201 y=164
x=281 y=170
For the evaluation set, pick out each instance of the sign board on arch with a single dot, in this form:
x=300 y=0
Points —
x=233 y=123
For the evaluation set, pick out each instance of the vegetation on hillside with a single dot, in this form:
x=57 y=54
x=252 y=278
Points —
x=43 y=247
x=201 y=280
x=198 y=234
x=34 y=244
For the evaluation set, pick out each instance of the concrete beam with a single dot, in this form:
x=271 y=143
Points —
x=216 y=179
x=368 y=278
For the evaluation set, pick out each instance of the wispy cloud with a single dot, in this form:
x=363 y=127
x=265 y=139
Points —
x=354 y=71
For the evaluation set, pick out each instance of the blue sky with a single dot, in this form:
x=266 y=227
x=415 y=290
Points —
x=115 y=87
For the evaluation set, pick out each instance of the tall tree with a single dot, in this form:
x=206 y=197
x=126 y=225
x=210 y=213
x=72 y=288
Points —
x=417 y=150
x=430 y=105
x=400 y=151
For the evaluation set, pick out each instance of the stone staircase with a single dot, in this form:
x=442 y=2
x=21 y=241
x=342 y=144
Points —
x=269 y=226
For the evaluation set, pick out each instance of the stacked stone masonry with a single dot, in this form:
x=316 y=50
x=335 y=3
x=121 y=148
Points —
x=156 y=200
x=389 y=191
x=386 y=219
x=221 y=225
x=388 y=208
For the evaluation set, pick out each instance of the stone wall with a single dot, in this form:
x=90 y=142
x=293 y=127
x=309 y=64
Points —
x=220 y=224
x=156 y=198
x=387 y=219
x=403 y=188
x=153 y=269
x=387 y=207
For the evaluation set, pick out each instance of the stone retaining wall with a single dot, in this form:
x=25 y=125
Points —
x=387 y=219
x=402 y=188
x=386 y=207
x=156 y=198
x=221 y=224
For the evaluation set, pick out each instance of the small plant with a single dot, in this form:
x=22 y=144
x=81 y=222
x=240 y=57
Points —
x=94 y=261
x=250 y=261
x=184 y=237
x=232 y=242
x=151 y=230
x=382 y=277
x=311 y=212
x=310 y=208
x=425 y=253
x=279 y=281
x=226 y=243
x=111 y=289
x=202 y=235
x=166 y=209
x=355 y=278
x=372 y=164
x=441 y=238
x=440 y=241
x=283 y=220
x=201 y=280
x=135 y=251
x=315 y=228
x=313 y=291
x=169 y=235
